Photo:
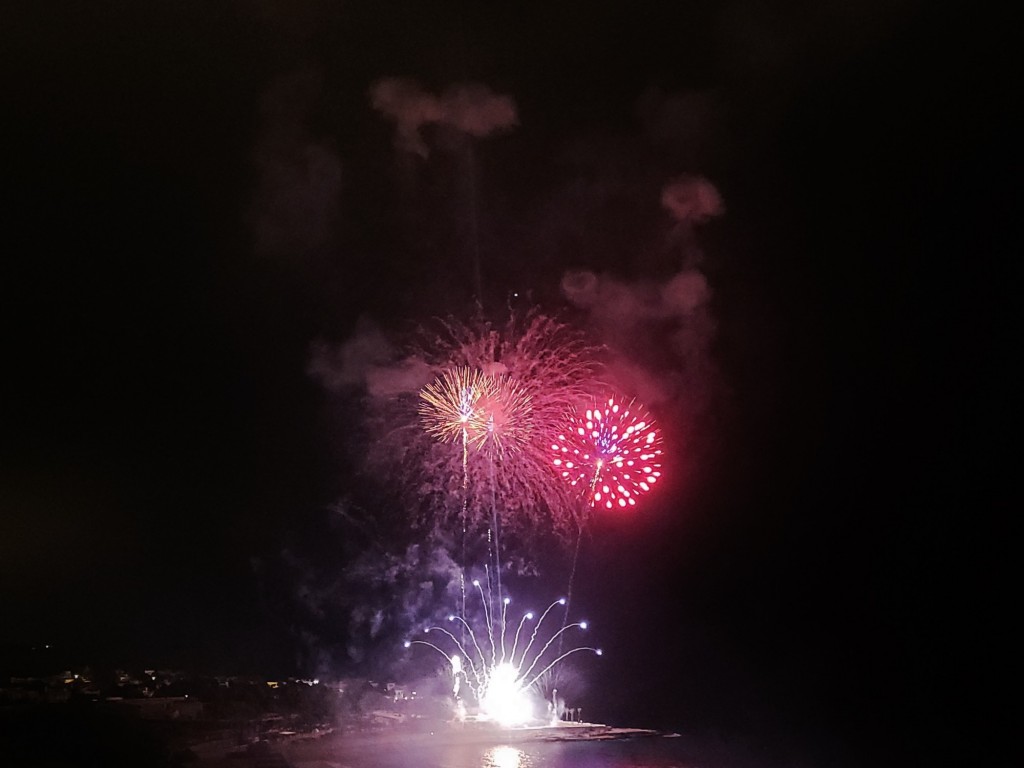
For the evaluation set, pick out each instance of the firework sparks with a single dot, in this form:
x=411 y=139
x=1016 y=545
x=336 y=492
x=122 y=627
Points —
x=500 y=675
x=505 y=424
x=611 y=452
x=504 y=390
x=450 y=405
x=492 y=413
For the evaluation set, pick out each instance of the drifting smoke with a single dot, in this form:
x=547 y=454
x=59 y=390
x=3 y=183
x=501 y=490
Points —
x=475 y=110
x=472 y=109
x=659 y=331
x=359 y=614
x=622 y=305
x=295 y=206
x=410 y=107
x=386 y=593
x=367 y=360
x=691 y=199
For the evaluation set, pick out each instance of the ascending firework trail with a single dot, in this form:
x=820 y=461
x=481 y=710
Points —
x=450 y=411
x=611 y=453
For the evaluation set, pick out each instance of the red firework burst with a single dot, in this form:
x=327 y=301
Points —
x=611 y=452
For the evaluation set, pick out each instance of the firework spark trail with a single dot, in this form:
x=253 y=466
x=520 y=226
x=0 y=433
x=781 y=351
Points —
x=472 y=635
x=537 y=626
x=527 y=615
x=558 y=659
x=494 y=528
x=613 y=450
x=500 y=686
x=504 y=613
x=477 y=673
x=480 y=681
x=487 y=617
x=449 y=411
x=558 y=634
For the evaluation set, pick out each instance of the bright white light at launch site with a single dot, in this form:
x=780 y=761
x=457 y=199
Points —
x=504 y=700
x=501 y=663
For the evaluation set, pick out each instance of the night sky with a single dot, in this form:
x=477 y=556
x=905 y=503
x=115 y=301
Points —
x=197 y=195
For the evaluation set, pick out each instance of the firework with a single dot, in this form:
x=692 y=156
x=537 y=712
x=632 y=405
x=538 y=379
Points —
x=502 y=669
x=611 y=453
x=491 y=413
x=450 y=405
x=503 y=390
x=505 y=423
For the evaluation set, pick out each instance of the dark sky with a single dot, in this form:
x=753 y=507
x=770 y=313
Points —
x=197 y=192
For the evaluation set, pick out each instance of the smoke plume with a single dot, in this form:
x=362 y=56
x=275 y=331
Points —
x=367 y=359
x=691 y=199
x=659 y=331
x=470 y=108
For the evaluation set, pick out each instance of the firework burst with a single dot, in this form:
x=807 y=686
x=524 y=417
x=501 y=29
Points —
x=500 y=661
x=491 y=413
x=611 y=453
x=505 y=423
x=450 y=406
x=504 y=390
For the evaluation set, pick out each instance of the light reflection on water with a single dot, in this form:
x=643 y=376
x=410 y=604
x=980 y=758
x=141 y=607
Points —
x=506 y=757
x=641 y=753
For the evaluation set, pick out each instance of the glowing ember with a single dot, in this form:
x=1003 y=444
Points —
x=499 y=674
x=611 y=452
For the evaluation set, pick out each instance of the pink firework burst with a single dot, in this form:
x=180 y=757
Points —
x=611 y=452
x=505 y=422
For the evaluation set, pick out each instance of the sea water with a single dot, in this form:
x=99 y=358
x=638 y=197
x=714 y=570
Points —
x=649 y=752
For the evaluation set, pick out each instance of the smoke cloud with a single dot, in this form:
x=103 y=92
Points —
x=615 y=302
x=366 y=360
x=659 y=331
x=691 y=199
x=470 y=108
x=355 y=617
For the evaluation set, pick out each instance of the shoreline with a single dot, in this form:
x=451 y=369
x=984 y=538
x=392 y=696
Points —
x=351 y=745
x=482 y=734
